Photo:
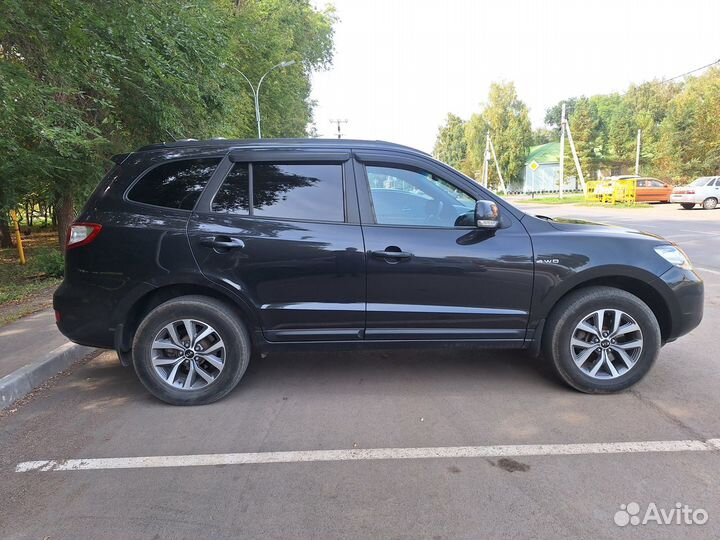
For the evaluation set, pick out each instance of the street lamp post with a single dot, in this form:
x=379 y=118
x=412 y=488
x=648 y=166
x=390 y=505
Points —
x=256 y=89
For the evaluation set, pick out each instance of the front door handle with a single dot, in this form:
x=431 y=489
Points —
x=392 y=253
x=222 y=243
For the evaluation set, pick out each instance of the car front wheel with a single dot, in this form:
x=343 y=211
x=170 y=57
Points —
x=601 y=339
x=191 y=350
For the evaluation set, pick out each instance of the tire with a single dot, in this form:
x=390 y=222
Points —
x=688 y=206
x=563 y=326
x=222 y=357
x=710 y=203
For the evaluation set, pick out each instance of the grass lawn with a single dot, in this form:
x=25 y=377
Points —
x=22 y=285
x=567 y=199
x=579 y=200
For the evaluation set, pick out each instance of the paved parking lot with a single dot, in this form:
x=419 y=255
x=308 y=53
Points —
x=251 y=465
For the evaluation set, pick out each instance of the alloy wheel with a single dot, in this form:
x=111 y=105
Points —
x=606 y=344
x=188 y=354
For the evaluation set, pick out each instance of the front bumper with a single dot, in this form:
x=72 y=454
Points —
x=685 y=299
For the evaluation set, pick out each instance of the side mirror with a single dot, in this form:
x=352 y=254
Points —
x=487 y=215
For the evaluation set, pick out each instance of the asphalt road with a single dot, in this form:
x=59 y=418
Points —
x=303 y=403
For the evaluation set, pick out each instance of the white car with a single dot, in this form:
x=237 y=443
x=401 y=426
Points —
x=704 y=190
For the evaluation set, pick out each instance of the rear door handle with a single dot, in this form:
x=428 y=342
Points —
x=398 y=255
x=222 y=242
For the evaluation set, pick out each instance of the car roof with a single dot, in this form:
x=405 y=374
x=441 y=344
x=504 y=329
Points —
x=220 y=143
x=632 y=177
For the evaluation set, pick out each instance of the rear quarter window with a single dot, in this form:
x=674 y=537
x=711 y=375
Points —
x=177 y=184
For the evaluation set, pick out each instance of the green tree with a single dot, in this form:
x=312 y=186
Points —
x=83 y=79
x=553 y=114
x=584 y=127
x=543 y=136
x=507 y=119
x=650 y=103
x=690 y=134
x=450 y=144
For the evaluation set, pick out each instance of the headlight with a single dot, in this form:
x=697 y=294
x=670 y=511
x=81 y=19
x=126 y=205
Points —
x=674 y=255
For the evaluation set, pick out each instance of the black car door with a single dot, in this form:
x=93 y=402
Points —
x=281 y=230
x=431 y=274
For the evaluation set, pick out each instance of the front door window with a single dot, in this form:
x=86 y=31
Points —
x=413 y=197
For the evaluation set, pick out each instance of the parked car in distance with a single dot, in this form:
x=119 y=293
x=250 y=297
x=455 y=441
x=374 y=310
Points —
x=704 y=191
x=646 y=189
x=192 y=257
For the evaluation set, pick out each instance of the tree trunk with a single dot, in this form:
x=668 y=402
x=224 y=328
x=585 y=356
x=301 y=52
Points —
x=64 y=214
x=5 y=234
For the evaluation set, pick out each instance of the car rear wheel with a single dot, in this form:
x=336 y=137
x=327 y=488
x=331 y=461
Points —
x=710 y=203
x=688 y=206
x=191 y=351
x=601 y=339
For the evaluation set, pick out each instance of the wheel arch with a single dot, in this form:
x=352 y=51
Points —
x=146 y=302
x=633 y=284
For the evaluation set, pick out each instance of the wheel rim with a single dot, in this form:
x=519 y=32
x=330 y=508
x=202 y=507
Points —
x=710 y=203
x=606 y=344
x=188 y=354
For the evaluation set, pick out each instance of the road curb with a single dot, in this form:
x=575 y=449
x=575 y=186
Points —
x=22 y=381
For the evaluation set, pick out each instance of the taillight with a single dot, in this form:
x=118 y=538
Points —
x=80 y=234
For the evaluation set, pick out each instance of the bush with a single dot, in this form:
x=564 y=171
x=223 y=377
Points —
x=47 y=261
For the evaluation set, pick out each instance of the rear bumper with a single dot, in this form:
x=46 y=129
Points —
x=82 y=315
x=686 y=300
x=683 y=198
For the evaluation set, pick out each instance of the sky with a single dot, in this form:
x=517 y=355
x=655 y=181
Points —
x=401 y=65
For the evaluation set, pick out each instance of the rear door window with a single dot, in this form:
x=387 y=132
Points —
x=304 y=191
x=177 y=184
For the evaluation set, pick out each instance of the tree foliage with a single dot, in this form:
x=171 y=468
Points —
x=689 y=135
x=83 y=79
x=450 y=145
x=678 y=142
x=680 y=131
x=506 y=117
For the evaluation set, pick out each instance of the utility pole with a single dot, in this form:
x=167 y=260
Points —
x=575 y=158
x=637 y=153
x=497 y=165
x=565 y=129
x=338 y=122
x=562 y=149
x=486 y=160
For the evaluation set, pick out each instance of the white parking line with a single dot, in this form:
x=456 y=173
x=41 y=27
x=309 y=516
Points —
x=370 y=454
x=707 y=270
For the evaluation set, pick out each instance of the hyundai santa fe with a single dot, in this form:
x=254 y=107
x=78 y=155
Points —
x=192 y=258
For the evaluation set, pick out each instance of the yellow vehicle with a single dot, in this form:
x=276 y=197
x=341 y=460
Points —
x=615 y=189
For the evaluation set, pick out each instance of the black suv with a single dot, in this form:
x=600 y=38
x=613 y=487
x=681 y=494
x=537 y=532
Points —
x=194 y=256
